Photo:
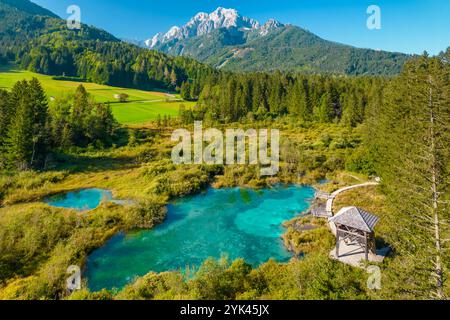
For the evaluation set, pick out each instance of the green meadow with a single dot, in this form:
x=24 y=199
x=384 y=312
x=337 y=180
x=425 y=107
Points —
x=141 y=107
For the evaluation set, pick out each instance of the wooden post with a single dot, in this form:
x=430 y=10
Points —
x=367 y=246
x=337 y=242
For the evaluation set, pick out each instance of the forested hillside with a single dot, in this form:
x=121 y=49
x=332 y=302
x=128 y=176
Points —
x=294 y=49
x=29 y=7
x=236 y=46
x=44 y=44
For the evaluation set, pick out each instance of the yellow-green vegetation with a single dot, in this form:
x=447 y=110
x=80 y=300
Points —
x=306 y=235
x=140 y=106
x=370 y=199
x=40 y=242
x=314 y=277
x=308 y=153
x=127 y=170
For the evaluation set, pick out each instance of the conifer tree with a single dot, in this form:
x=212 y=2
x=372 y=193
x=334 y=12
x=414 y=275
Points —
x=173 y=78
x=80 y=113
x=28 y=137
x=276 y=95
x=5 y=114
x=324 y=112
x=19 y=147
x=294 y=99
x=299 y=104
x=185 y=91
x=5 y=119
x=352 y=112
x=40 y=123
x=412 y=146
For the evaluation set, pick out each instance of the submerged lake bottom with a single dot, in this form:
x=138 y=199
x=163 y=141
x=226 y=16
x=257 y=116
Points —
x=237 y=222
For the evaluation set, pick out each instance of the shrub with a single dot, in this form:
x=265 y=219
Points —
x=146 y=214
x=360 y=162
x=122 y=97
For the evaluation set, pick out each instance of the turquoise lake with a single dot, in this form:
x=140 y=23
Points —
x=80 y=200
x=241 y=223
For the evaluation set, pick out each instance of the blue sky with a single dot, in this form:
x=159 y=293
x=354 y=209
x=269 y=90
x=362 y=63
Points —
x=409 y=26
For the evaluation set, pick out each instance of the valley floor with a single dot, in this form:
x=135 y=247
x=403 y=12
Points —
x=141 y=106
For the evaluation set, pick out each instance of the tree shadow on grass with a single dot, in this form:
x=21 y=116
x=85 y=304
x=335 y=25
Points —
x=109 y=159
x=94 y=164
x=104 y=161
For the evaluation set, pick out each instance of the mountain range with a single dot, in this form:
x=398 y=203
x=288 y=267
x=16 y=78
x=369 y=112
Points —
x=229 y=41
x=39 y=40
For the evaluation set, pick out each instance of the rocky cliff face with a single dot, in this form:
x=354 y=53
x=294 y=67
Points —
x=204 y=23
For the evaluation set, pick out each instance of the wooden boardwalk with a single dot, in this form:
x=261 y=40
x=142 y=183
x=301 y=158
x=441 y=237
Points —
x=351 y=254
x=326 y=210
x=329 y=208
x=330 y=201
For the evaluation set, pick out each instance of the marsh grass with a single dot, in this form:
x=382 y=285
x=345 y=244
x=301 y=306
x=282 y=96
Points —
x=39 y=242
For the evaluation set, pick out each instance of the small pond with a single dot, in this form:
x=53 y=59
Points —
x=81 y=200
x=241 y=223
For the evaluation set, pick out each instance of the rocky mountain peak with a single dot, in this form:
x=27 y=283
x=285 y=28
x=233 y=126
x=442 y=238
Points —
x=203 y=23
x=270 y=25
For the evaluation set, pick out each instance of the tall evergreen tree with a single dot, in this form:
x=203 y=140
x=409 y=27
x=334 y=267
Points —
x=28 y=134
x=80 y=112
x=20 y=137
x=352 y=111
x=324 y=112
x=185 y=91
x=276 y=94
x=412 y=145
x=40 y=123
x=5 y=114
x=5 y=119
x=299 y=103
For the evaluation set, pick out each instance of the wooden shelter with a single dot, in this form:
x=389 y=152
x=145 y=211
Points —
x=355 y=226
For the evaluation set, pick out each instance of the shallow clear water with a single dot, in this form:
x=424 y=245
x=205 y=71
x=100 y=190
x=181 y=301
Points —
x=241 y=223
x=81 y=200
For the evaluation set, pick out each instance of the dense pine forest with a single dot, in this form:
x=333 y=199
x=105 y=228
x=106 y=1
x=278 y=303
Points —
x=332 y=126
x=325 y=99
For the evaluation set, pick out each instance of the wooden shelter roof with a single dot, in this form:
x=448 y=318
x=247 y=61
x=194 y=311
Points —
x=356 y=218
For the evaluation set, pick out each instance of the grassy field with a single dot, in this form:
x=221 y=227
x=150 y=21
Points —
x=142 y=106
